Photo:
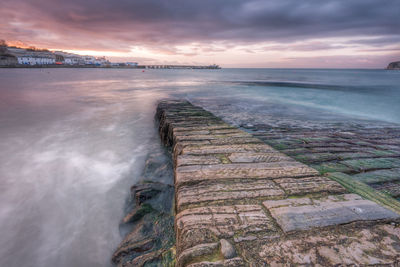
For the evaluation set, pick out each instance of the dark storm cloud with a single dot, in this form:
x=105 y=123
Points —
x=118 y=23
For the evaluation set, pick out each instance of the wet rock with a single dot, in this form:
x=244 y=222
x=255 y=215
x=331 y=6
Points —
x=146 y=191
x=130 y=248
x=137 y=213
x=150 y=259
x=157 y=196
x=150 y=220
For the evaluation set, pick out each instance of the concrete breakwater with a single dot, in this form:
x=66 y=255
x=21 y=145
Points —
x=239 y=202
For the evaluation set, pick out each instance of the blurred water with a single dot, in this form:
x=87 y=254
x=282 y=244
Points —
x=74 y=140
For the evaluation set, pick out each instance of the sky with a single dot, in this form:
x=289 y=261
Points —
x=231 y=33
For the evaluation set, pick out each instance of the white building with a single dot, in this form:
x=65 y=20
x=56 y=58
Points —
x=89 y=60
x=101 y=61
x=28 y=57
x=35 y=60
x=41 y=57
x=73 y=60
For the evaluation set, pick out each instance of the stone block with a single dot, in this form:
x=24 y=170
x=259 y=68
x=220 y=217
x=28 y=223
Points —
x=333 y=210
x=218 y=149
x=183 y=160
x=233 y=190
x=298 y=186
x=224 y=221
x=258 y=157
x=269 y=170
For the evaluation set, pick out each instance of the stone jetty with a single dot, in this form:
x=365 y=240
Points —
x=240 y=202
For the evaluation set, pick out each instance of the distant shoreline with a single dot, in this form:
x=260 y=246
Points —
x=48 y=66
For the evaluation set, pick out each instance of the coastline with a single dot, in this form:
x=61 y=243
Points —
x=111 y=67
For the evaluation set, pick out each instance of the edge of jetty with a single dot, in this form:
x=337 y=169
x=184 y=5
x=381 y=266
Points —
x=239 y=202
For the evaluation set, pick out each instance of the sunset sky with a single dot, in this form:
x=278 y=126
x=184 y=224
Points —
x=231 y=33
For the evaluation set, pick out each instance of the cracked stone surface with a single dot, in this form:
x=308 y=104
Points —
x=206 y=191
x=307 y=213
x=269 y=170
x=272 y=209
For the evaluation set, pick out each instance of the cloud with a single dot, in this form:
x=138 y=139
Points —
x=116 y=25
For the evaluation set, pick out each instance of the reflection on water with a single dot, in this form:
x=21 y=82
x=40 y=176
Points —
x=74 y=140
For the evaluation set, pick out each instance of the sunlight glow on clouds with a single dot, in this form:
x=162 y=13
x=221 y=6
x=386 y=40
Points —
x=253 y=33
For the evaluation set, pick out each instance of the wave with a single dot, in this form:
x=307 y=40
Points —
x=347 y=88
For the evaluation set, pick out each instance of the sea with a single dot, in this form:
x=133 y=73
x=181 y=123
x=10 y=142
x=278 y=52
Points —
x=73 y=141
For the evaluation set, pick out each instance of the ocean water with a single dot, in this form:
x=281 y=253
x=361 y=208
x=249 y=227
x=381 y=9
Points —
x=72 y=141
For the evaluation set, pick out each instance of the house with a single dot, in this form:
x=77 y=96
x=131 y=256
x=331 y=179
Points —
x=89 y=60
x=6 y=59
x=36 y=59
x=73 y=60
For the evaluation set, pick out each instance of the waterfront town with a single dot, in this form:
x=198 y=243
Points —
x=12 y=56
x=17 y=56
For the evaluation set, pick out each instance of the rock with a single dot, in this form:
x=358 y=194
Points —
x=146 y=194
x=227 y=250
x=152 y=258
x=394 y=66
x=158 y=195
x=137 y=213
x=149 y=219
x=132 y=249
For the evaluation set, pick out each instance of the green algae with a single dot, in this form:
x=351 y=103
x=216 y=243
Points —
x=316 y=139
x=315 y=157
x=371 y=164
x=353 y=155
x=383 y=153
x=378 y=176
x=169 y=257
x=224 y=159
x=331 y=167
